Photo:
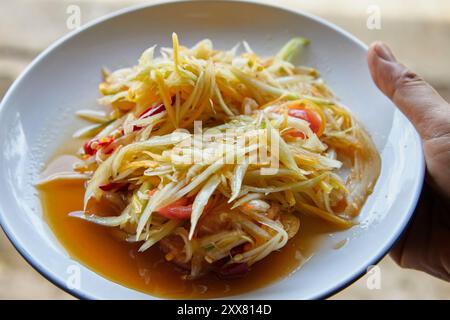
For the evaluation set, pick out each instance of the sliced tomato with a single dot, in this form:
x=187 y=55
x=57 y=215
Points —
x=180 y=209
x=315 y=122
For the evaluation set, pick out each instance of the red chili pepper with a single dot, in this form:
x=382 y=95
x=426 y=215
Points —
x=149 y=112
x=108 y=150
x=105 y=141
x=155 y=109
x=99 y=143
x=88 y=150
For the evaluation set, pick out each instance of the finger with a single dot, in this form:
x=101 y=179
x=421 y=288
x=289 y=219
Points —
x=409 y=250
x=423 y=246
x=423 y=106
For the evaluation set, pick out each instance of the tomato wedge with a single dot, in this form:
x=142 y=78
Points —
x=315 y=122
x=180 y=210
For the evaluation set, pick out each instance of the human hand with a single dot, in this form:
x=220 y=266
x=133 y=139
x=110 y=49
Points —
x=425 y=245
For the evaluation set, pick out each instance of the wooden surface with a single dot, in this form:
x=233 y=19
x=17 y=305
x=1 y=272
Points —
x=418 y=32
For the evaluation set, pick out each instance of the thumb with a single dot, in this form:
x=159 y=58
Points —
x=421 y=104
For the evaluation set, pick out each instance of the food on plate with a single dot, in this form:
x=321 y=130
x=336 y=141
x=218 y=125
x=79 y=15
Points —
x=213 y=155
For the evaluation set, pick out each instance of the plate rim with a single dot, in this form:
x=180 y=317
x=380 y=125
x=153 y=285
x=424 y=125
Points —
x=81 y=294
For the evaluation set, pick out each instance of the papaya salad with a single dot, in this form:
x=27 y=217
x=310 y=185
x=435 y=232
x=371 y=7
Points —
x=214 y=156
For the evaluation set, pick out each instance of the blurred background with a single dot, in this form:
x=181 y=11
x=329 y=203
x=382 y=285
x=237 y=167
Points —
x=417 y=30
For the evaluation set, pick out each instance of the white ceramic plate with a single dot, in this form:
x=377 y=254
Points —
x=36 y=116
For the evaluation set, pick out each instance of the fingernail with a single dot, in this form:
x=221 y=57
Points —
x=383 y=51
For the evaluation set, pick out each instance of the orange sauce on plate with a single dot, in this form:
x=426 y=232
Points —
x=102 y=250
